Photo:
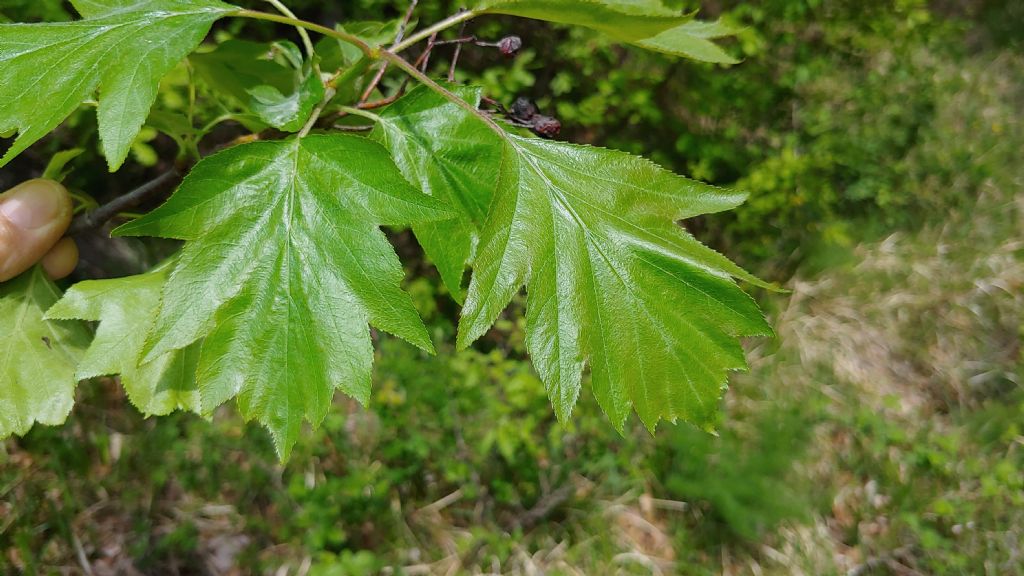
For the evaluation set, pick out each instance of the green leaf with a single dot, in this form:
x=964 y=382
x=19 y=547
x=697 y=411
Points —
x=126 y=309
x=449 y=154
x=611 y=277
x=644 y=23
x=624 y=20
x=98 y=8
x=122 y=49
x=268 y=80
x=234 y=67
x=375 y=34
x=283 y=268
x=342 y=56
x=692 y=40
x=288 y=112
x=37 y=357
x=55 y=168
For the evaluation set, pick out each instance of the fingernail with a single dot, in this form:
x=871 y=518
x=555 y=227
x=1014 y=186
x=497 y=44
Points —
x=33 y=204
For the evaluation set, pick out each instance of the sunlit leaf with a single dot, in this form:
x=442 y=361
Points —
x=612 y=280
x=451 y=156
x=51 y=68
x=283 y=269
x=125 y=309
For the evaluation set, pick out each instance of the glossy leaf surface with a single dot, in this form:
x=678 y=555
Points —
x=612 y=278
x=623 y=20
x=692 y=40
x=126 y=309
x=283 y=269
x=37 y=357
x=51 y=68
x=451 y=155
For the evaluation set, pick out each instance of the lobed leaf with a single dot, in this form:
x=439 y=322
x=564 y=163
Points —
x=283 y=268
x=121 y=48
x=450 y=155
x=611 y=278
x=37 y=357
x=126 y=309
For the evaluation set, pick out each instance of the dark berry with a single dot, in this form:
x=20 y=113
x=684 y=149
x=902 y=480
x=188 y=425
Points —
x=523 y=109
x=546 y=126
x=510 y=45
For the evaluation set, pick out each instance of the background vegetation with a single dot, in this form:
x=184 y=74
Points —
x=882 y=432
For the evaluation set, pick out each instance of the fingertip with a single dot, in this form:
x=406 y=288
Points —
x=36 y=204
x=61 y=260
x=33 y=217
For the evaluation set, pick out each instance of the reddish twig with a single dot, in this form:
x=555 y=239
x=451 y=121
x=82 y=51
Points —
x=384 y=101
x=373 y=83
x=424 y=58
x=384 y=66
x=405 y=24
x=458 y=51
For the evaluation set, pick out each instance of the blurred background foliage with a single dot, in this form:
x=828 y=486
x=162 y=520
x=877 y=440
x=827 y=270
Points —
x=880 y=433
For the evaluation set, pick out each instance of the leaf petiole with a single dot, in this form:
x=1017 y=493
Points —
x=340 y=35
x=388 y=55
x=438 y=27
x=428 y=82
x=360 y=112
x=306 y=42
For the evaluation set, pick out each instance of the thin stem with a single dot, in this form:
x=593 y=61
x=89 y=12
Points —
x=463 y=40
x=191 y=94
x=191 y=144
x=373 y=84
x=302 y=32
x=405 y=23
x=213 y=123
x=346 y=128
x=424 y=60
x=427 y=32
x=384 y=66
x=388 y=55
x=100 y=216
x=426 y=80
x=365 y=48
x=384 y=101
x=360 y=112
x=328 y=95
x=458 y=52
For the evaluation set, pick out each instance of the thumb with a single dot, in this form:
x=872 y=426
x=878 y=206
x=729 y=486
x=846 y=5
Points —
x=33 y=217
